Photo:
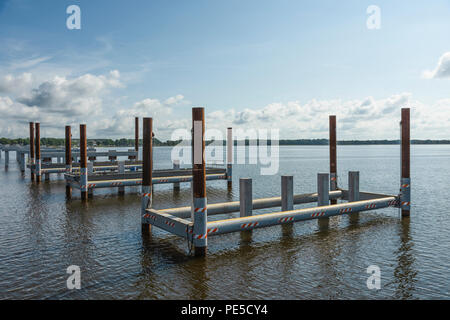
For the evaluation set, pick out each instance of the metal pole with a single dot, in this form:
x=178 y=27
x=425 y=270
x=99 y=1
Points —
x=199 y=182
x=287 y=193
x=22 y=161
x=90 y=171
x=230 y=157
x=353 y=192
x=176 y=166
x=6 y=158
x=333 y=157
x=31 y=157
x=38 y=151
x=245 y=197
x=83 y=163
x=68 y=150
x=147 y=170
x=353 y=186
x=136 y=137
x=405 y=183
x=323 y=198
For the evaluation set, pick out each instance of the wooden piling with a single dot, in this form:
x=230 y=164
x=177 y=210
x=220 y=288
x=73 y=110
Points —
x=31 y=157
x=405 y=199
x=147 y=170
x=199 y=182
x=83 y=163
x=38 y=151
x=333 y=157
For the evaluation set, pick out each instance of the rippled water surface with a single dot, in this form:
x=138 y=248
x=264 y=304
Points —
x=42 y=233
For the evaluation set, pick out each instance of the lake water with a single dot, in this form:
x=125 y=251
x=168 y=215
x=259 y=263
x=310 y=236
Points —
x=42 y=233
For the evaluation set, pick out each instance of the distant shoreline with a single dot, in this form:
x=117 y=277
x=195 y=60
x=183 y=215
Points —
x=59 y=142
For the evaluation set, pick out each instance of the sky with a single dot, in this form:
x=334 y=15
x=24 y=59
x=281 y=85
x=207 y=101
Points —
x=261 y=64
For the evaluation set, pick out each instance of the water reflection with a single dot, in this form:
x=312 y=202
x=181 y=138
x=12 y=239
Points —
x=41 y=234
x=405 y=273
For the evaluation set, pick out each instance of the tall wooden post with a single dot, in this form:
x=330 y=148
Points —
x=32 y=163
x=333 y=158
x=83 y=163
x=199 y=182
x=147 y=171
x=405 y=190
x=38 y=151
x=68 y=149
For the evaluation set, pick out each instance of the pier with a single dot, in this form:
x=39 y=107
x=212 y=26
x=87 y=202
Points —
x=87 y=176
x=70 y=161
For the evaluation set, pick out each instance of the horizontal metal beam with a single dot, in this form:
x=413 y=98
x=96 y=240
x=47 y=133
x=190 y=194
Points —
x=366 y=195
x=93 y=184
x=271 y=219
x=229 y=207
x=167 y=222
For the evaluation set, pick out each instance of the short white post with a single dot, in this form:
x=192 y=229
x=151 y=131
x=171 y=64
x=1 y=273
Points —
x=245 y=197
x=176 y=166
x=287 y=193
x=90 y=170
x=323 y=199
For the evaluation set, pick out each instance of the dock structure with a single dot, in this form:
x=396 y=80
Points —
x=191 y=222
x=128 y=176
x=70 y=161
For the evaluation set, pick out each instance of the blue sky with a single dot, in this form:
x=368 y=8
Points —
x=285 y=64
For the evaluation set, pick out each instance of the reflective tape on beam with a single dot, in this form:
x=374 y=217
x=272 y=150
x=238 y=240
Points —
x=234 y=206
x=167 y=222
x=271 y=219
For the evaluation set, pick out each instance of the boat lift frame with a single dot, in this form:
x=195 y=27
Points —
x=88 y=176
x=198 y=229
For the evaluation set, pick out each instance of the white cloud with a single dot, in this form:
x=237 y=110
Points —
x=28 y=63
x=61 y=100
x=72 y=97
x=54 y=102
x=174 y=100
x=17 y=85
x=366 y=118
x=442 y=69
x=165 y=119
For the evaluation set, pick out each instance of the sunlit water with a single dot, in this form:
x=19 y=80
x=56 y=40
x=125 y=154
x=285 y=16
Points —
x=42 y=233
